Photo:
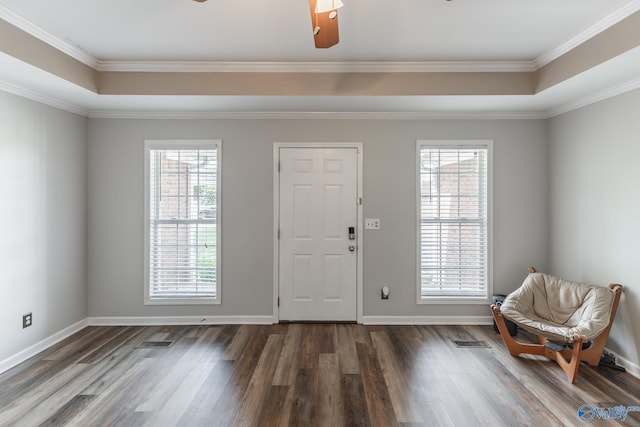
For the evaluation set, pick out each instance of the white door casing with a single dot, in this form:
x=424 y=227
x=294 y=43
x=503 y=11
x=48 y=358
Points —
x=317 y=264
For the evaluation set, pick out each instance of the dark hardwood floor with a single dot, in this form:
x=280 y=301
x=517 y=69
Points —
x=300 y=375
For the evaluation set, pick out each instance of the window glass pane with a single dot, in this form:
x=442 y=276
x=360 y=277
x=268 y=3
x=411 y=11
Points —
x=183 y=235
x=453 y=221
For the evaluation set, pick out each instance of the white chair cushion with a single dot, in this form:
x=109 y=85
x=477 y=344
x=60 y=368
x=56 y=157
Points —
x=559 y=309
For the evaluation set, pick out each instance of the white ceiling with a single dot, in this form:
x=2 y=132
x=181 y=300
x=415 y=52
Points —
x=515 y=32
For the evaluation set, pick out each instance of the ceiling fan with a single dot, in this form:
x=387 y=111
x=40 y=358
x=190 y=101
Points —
x=324 y=21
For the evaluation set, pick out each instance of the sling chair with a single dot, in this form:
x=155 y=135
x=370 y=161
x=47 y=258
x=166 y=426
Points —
x=571 y=320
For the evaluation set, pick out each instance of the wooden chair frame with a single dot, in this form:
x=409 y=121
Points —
x=568 y=359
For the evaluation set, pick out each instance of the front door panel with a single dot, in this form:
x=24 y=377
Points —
x=318 y=261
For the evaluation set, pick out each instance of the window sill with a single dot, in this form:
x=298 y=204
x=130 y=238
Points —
x=454 y=300
x=183 y=301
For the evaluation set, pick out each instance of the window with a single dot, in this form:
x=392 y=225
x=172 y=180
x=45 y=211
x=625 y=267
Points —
x=453 y=220
x=182 y=222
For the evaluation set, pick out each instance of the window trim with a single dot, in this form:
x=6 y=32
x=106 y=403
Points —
x=181 y=144
x=451 y=299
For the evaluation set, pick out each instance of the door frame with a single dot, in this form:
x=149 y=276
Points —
x=276 y=218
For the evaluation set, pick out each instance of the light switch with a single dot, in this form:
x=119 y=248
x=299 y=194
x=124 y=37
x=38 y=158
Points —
x=372 y=224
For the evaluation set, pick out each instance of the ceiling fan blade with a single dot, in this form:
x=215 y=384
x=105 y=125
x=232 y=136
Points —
x=325 y=27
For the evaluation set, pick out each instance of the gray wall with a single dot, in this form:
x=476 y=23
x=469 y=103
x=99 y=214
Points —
x=115 y=156
x=595 y=205
x=43 y=184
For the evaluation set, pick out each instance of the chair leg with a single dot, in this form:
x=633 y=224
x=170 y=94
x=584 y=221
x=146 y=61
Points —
x=571 y=366
x=515 y=347
x=593 y=354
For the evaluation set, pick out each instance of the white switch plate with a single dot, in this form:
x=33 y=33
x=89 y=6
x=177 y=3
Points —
x=372 y=224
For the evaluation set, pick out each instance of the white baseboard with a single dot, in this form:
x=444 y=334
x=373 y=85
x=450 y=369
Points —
x=427 y=320
x=29 y=352
x=180 y=320
x=629 y=366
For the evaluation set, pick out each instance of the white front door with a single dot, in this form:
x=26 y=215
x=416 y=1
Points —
x=318 y=204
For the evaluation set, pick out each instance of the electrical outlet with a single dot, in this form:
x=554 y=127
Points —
x=384 y=292
x=27 y=320
x=372 y=224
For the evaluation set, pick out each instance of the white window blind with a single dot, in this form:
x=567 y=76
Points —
x=182 y=218
x=453 y=220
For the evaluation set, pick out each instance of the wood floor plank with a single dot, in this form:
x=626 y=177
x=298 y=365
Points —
x=66 y=412
x=18 y=409
x=238 y=343
x=435 y=415
x=277 y=407
x=260 y=383
x=330 y=405
x=354 y=401
x=304 y=392
x=226 y=334
x=70 y=390
x=110 y=343
x=346 y=348
x=248 y=360
x=310 y=350
x=226 y=408
x=174 y=376
x=81 y=347
x=287 y=368
x=177 y=404
x=405 y=341
x=379 y=406
x=110 y=370
x=326 y=338
x=230 y=403
x=213 y=352
x=22 y=378
x=301 y=375
x=117 y=401
x=203 y=408
x=402 y=397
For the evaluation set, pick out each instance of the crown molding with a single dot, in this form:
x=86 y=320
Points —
x=315 y=67
x=596 y=97
x=319 y=115
x=591 y=31
x=32 y=29
x=367 y=66
x=42 y=99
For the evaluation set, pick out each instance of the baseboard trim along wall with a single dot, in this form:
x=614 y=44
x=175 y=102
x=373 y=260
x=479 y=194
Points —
x=427 y=320
x=630 y=367
x=31 y=351
x=180 y=320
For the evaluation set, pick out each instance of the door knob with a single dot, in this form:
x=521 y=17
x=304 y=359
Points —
x=352 y=248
